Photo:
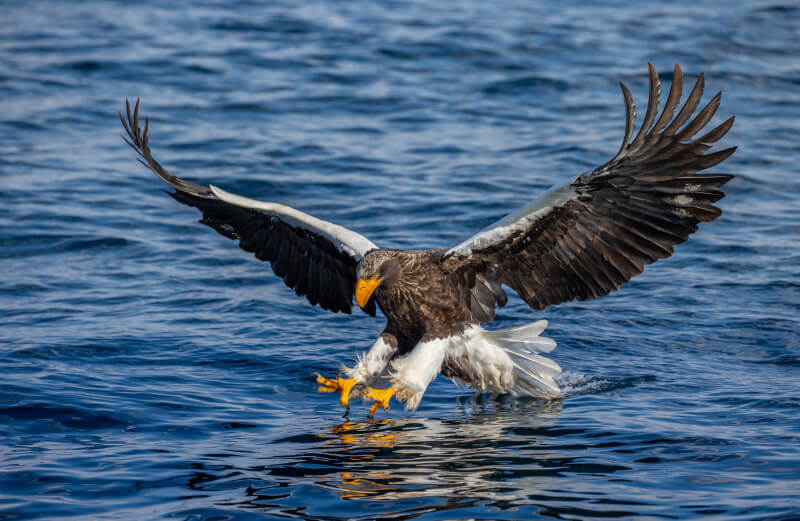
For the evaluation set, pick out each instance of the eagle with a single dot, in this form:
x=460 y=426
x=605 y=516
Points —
x=578 y=241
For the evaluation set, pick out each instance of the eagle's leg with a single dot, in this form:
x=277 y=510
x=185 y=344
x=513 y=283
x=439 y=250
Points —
x=369 y=367
x=412 y=373
x=381 y=397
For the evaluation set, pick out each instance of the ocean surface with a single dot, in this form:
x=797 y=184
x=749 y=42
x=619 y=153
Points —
x=149 y=369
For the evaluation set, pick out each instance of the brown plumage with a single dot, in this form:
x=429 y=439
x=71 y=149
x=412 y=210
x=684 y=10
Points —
x=580 y=241
x=423 y=294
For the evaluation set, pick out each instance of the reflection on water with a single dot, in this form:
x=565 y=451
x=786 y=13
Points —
x=394 y=459
x=403 y=458
x=513 y=458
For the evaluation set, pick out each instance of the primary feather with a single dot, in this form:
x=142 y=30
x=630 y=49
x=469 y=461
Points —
x=588 y=237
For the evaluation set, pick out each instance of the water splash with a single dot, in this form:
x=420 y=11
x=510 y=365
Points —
x=576 y=384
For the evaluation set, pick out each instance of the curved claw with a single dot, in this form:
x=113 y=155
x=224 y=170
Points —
x=343 y=385
x=381 y=397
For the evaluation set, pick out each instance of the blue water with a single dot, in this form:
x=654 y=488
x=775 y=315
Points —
x=152 y=370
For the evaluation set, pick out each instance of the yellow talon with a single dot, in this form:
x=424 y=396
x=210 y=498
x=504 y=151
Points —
x=381 y=397
x=343 y=385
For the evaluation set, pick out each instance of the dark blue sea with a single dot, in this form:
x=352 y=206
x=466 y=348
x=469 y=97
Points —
x=149 y=369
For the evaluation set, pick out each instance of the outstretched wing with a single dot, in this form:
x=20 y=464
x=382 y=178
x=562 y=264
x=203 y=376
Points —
x=316 y=258
x=588 y=237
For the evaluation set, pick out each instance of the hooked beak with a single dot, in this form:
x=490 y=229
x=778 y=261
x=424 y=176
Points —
x=365 y=289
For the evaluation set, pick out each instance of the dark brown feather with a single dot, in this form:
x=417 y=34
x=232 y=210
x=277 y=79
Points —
x=623 y=215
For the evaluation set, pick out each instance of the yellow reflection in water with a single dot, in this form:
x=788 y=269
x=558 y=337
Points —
x=389 y=458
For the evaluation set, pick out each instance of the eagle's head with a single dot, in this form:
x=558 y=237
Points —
x=378 y=267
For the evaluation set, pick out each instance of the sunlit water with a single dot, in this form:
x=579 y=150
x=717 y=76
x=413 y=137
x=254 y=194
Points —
x=152 y=370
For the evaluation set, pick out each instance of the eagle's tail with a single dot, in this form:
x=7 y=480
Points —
x=534 y=373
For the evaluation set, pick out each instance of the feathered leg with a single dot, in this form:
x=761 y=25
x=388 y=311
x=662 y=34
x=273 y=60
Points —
x=412 y=373
x=368 y=368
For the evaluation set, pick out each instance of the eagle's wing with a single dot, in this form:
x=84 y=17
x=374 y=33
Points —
x=316 y=258
x=585 y=239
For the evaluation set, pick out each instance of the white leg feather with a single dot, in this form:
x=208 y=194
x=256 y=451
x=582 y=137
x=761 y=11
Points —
x=371 y=365
x=412 y=373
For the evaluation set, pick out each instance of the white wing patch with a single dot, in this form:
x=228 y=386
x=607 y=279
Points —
x=345 y=240
x=515 y=222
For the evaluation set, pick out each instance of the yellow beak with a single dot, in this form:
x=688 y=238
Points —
x=365 y=289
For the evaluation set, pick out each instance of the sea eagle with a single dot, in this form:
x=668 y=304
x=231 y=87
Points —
x=579 y=241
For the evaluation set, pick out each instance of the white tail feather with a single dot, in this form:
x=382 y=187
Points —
x=543 y=366
x=534 y=373
x=533 y=346
x=526 y=332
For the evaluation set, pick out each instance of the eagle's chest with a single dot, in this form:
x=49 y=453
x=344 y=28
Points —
x=431 y=305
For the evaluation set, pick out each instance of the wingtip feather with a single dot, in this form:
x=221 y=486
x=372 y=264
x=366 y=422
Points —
x=653 y=99
x=630 y=118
